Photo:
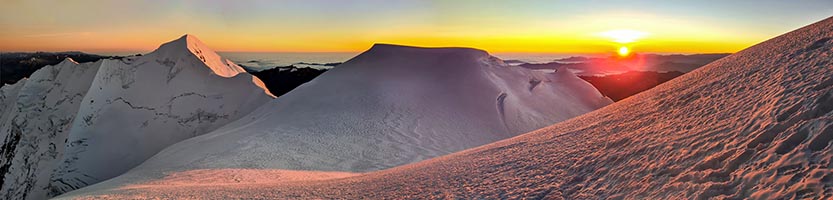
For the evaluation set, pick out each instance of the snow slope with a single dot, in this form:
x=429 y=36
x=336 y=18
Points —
x=389 y=106
x=77 y=124
x=35 y=123
x=8 y=98
x=756 y=124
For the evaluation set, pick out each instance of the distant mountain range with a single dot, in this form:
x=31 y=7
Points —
x=619 y=78
x=17 y=65
x=596 y=66
x=279 y=80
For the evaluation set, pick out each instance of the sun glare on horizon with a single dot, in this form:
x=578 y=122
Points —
x=622 y=37
x=623 y=51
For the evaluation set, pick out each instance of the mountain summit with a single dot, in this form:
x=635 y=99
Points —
x=189 y=47
x=189 y=43
x=71 y=125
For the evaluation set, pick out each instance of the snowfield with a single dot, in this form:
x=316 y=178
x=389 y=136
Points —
x=756 y=124
x=71 y=125
x=389 y=106
x=35 y=121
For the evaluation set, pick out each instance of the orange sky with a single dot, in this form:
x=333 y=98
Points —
x=351 y=26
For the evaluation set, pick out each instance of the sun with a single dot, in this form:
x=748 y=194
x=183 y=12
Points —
x=624 y=38
x=623 y=51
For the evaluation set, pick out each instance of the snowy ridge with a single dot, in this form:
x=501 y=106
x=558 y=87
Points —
x=217 y=64
x=72 y=124
x=389 y=106
x=757 y=124
x=35 y=125
x=174 y=50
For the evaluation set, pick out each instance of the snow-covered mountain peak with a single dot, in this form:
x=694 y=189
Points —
x=394 y=49
x=177 y=49
x=399 y=47
x=70 y=125
x=390 y=56
x=189 y=48
x=68 y=60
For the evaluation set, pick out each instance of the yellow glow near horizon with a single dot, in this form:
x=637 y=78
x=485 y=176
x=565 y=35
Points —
x=624 y=35
x=544 y=39
x=355 y=25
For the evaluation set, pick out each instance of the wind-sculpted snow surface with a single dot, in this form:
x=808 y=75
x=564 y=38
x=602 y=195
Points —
x=389 y=106
x=756 y=124
x=72 y=125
